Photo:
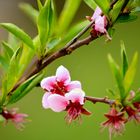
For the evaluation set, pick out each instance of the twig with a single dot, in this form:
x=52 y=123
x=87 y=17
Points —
x=101 y=100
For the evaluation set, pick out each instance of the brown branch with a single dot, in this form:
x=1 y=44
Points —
x=101 y=100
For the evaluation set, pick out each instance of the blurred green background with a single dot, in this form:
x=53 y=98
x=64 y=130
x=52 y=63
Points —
x=89 y=65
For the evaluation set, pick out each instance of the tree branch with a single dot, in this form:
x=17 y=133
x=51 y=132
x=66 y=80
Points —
x=68 y=49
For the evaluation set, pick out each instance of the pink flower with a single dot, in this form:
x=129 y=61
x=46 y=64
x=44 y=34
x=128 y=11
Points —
x=72 y=102
x=60 y=84
x=133 y=114
x=115 y=122
x=17 y=118
x=100 y=23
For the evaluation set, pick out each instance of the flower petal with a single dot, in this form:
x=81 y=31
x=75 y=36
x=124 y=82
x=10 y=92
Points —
x=47 y=83
x=72 y=85
x=62 y=74
x=57 y=102
x=76 y=95
x=45 y=103
x=97 y=13
x=100 y=24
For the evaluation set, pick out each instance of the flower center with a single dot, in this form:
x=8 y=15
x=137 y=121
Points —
x=59 y=88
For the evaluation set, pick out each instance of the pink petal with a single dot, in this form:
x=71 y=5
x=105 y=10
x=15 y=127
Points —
x=100 y=24
x=57 y=102
x=47 y=83
x=73 y=85
x=62 y=74
x=76 y=95
x=45 y=103
x=97 y=13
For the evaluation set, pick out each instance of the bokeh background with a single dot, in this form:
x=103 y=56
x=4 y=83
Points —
x=89 y=65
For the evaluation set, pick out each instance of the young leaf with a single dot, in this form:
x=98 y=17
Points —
x=13 y=41
x=31 y=12
x=25 y=88
x=53 y=43
x=7 y=49
x=137 y=97
x=12 y=75
x=129 y=76
x=39 y=4
x=91 y=4
x=19 y=33
x=45 y=21
x=67 y=15
x=104 y=5
x=124 y=59
x=4 y=63
x=114 y=13
x=74 y=30
x=117 y=74
x=126 y=18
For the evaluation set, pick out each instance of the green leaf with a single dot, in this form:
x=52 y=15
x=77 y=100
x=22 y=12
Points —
x=110 y=91
x=111 y=31
x=117 y=74
x=19 y=33
x=4 y=63
x=104 y=5
x=39 y=4
x=53 y=43
x=136 y=10
x=13 y=41
x=127 y=18
x=31 y=12
x=7 y=49
x=124 y=59
x=4 y=91
x=114 y=13
x=91 y=4
x=67 y=14
x=45 y=21
x=137 y=97
x=73 y=31
x=12 y=75
x=130 y=74
x=23 y=89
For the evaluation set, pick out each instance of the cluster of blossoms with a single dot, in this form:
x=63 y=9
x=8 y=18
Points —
x=62 y=94
x=100 y=23
x=117 y=119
